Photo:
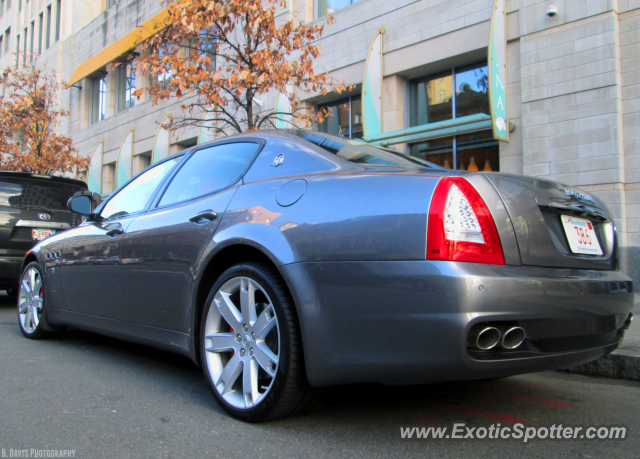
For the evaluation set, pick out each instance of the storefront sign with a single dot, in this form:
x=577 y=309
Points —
x=498 y=84
x=94 y=172
x=372 y=89
x=124 y=165
x=162 y=142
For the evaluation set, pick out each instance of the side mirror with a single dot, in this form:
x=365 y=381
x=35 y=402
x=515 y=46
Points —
x=81 y=203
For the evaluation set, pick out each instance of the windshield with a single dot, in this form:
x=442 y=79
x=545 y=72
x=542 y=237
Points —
x=358 y=151
x=17 y=192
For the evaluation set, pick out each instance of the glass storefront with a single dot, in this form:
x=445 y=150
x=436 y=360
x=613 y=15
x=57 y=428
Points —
x=344 y=118
x=456 y=93
x=452 y=94
x=477 y=151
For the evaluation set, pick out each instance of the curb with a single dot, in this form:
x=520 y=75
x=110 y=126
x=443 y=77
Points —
x=619 y=365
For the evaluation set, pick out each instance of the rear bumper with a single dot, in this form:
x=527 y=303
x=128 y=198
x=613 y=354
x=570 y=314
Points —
x=10 y=272
x=404 y=322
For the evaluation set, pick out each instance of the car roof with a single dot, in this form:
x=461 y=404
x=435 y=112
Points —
x=49 y=178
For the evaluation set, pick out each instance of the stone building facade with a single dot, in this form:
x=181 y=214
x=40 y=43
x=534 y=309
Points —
x=574 y=85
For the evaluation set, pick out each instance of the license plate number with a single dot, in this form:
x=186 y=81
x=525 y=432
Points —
x=39 y=234
x=581 y=235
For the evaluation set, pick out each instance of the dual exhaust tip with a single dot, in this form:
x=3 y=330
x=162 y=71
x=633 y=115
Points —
x=483 y=337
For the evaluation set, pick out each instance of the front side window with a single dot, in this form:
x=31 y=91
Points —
x=329 y=6
x=134 y=197
x=344 y=118
x=456 y=93
x=209 y=170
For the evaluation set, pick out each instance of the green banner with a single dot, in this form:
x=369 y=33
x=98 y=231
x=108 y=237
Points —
x=498 y=84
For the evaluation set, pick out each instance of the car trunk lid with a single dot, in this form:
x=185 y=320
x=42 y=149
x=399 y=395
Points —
x=537 y=206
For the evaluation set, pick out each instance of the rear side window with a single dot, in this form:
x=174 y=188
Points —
x=209 y=170
x=36 y=193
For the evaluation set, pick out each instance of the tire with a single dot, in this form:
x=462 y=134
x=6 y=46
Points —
x=32 y=316
x=268 y=345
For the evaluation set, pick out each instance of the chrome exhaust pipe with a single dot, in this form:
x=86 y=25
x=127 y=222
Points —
x=513 y=338
x=483 y=338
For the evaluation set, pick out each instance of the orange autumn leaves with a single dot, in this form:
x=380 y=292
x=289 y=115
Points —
x=223 y=56
x=29 y=117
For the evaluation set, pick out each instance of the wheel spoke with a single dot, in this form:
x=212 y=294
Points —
x=228 y=310
x=34 y=317
x=266 y=321
x=229 y=375
x=221 y=342
x=27 y=319
x=26 y=286
x=265 y=357
x=250 y=382
x=248 y=301
x=37 y=286
x=22 y=308
x=32 y=279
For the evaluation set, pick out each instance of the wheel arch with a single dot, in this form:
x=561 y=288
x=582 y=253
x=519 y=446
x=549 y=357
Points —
x=29 y=257
x=228 y=256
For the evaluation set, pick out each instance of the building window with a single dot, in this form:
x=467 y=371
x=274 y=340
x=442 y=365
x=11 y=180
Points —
x=110 y=3
x=1 y=8
x=476 y=151
x=108 y=178
x=98 y=99
x=7 y=5
x=452 y=94
x=58 y=18
x=40 y=29
x=344 y=118
x=329 y=6
x=126 y=83
x=33 y=29
x=47 y=40
x=26 y=36
x=7 y=40
x=17 y=51
x=1 y=45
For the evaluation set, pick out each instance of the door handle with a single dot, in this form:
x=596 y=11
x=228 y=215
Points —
x=113 y=232
x=204 y=217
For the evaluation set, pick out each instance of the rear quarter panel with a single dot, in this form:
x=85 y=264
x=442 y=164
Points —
x=339 y=218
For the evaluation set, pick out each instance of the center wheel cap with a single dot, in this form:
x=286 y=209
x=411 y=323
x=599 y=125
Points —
x=246 y=341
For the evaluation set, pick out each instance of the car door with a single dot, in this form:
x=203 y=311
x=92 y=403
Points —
x=91 y=257
x=162 y=247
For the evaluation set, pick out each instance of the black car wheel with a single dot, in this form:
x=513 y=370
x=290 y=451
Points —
x=251 y=345
x=31 y=305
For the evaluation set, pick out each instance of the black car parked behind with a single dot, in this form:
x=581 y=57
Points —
x=32 y=207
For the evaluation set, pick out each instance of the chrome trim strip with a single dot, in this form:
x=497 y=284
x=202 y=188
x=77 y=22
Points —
x=42 y=224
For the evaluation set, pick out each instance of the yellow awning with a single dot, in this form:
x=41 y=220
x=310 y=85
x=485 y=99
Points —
x=120 y=47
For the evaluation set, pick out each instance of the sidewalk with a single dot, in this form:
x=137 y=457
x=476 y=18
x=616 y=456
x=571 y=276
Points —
x=624 y=362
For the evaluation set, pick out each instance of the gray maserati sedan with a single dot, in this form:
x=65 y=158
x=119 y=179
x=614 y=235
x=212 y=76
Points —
x=286 y=261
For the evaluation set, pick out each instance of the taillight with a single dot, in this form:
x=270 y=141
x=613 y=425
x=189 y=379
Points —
x=461 y=227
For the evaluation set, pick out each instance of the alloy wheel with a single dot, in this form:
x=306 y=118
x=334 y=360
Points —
x=242 y=342
x=30 y=300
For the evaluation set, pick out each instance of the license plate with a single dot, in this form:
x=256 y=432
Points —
x=581 y=235
x=38 y=234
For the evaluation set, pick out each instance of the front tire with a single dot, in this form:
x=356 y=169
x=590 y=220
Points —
x=251 y=347
x=31 y=305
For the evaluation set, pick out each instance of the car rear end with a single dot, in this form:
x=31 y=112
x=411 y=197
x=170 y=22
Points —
x=32 y=207
x=533 y=268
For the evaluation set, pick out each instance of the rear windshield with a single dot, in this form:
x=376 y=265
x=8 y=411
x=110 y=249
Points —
x=357 y=151
x=35 y=193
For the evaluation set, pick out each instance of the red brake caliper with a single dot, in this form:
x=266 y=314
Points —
x=232 y=332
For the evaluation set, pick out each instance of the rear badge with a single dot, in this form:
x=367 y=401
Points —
x=278 y=160
x=576 y=194
x=44 y=216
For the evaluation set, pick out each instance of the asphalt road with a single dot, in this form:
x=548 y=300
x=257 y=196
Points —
x=105 y=398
